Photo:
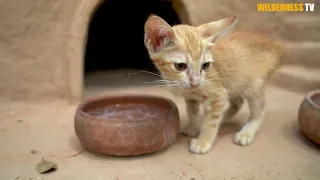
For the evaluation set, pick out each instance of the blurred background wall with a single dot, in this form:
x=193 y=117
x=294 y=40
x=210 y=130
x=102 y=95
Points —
x=48 y=46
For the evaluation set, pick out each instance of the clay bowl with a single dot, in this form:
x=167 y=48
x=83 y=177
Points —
x=309 y=116
x=127 y=125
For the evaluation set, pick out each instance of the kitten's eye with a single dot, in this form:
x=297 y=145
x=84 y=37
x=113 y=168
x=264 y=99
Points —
x=205 y=65
x=180 y=66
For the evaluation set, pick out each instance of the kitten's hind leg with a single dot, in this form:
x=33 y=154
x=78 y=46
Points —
x=256 y=105
x=193 y=109
x=235 y=106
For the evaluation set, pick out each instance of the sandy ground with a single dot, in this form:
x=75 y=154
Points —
x=31 y=131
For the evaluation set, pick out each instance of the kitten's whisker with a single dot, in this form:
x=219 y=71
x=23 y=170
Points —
x=167 y=85
x=212 y=75
x=176 y=82
x=142 y=71
x=163 y=87
x=162 y=80
x=151 y=82
x=145 y=72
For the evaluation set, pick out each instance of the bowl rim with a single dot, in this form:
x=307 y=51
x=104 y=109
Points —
x=80 y=111
x=309 y=98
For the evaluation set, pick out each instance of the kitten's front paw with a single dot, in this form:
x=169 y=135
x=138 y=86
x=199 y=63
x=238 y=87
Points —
x=191 y=130
x=199 y=146
x=244 y=137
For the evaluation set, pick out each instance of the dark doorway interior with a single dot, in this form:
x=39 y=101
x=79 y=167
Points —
x=115 y=38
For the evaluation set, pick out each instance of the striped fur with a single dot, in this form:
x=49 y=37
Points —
x=240 y=64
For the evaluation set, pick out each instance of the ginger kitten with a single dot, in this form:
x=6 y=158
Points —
x=213 y=66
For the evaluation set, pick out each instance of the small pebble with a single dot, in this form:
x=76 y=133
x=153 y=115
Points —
x=33 y=151
x=17 y=177
x=192 y=179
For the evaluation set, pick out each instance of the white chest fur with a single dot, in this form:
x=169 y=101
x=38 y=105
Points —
x=194 y=95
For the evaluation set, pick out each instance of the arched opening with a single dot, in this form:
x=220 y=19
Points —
x=115 y=41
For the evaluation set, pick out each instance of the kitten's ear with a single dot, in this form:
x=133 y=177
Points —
x=158 y=34
x=211 y=31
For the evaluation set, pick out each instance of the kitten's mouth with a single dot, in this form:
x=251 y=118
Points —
x=190 y=89
x=193 y=87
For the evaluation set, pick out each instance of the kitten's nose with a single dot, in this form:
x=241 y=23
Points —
x=194 y=81
x=194 y=85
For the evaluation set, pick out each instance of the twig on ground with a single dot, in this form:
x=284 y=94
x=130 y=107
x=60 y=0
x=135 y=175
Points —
x=76 y=154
